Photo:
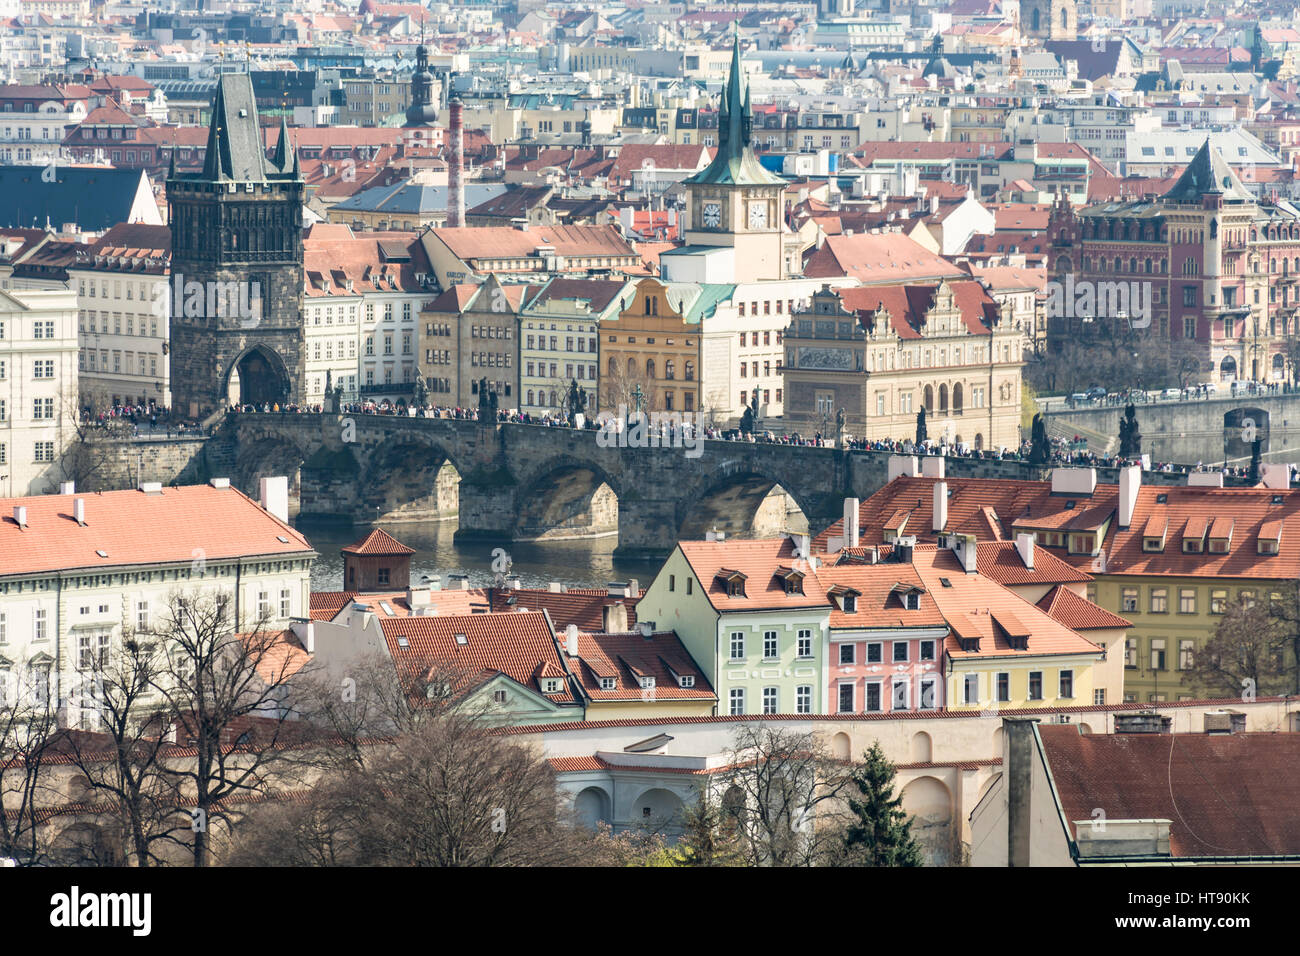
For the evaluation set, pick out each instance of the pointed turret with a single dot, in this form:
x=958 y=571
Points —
x=735 y=162
x=282 y=160
x=1206 y=175
x=234 y=149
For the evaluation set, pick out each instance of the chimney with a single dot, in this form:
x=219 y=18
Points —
x=219 y=482
x=274 y=497
x=1146 y=722
x=513 y=582
x=851 y=533
x=902 y=465
x=68 y=488
x=634 y=586
x=940 y=506
x=932 y=466
x=359 y=616
x=646 y=629
x=571 y=640
x=614 y=618
x=964 y=546
x=458 y=582
x=555 y=587
x=305 y=631
x=79 y=511
x=1074 y=481
x=1225 y=722
x=1018 y=738
x=455 y=187
x=20 y=516
x=1275 y=475
x=418 y=598
x=1025 y=548
x=1130 y=480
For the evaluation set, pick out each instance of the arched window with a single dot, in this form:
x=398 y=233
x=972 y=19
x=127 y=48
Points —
x=1065 y=18
x=631 y=366
x=650 y=368
x=530 y=396
x=690 y=371
x=979 y=441
x=670 y=371
x=943 y=398
x=554 y=403
x=1063 y=264
x=956 y=398
x=613 y=365
x=929 y=398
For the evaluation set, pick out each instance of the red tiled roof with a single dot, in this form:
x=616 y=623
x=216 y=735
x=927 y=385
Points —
x=1076 y=613
x=1224 y=794
x=1001 y=562
x=629 y=656
x=132 y=527
x=878 y=604
x=758 y=560
x=502 y=242
x=582 y=607
x=977 y=607
x=378 y=541
x=517 y=645
x=873 y=259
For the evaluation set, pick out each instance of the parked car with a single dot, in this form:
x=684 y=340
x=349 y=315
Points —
x=1096 y=392
x=1079 y=398
x=1172 y=393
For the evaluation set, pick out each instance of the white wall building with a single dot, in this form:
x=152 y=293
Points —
x=70 y=589
x=123 y=310
x=38 y=387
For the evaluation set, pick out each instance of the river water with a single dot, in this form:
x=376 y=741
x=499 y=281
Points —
x=579 y=563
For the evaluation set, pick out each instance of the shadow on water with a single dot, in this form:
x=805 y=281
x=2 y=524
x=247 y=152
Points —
x=579 y=563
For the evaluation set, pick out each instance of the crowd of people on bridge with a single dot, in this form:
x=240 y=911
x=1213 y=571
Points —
x=1064 y=451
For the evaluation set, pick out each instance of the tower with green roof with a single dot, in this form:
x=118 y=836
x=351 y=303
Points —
x=734 y=201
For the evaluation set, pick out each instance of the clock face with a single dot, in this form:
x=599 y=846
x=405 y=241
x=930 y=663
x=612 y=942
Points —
x=758 y=215
x=711 y=213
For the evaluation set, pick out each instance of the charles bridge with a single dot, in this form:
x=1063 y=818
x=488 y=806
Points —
x=505 y=482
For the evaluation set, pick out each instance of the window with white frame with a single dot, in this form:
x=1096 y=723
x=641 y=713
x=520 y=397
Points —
x=805 y=643
x=286 y=602
x=971 y=689
x=737 y=645
x=803 y=699
x=900 y=695
x=848 y=653
x=769 y=700
x=737 y=701
x=40 y=625
x=769 y=645
x=142 y=616
x=846 y=699
x=928 y=701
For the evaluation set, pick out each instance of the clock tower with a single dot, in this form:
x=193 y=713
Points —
x=734 y=201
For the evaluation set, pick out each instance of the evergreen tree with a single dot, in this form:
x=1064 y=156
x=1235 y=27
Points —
x=708 y=836
x=880 y=833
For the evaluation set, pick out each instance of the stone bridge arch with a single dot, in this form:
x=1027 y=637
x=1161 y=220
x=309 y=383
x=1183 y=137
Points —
x=408 y=476
x=568 y=496
x=266 y=455
x=743 y=498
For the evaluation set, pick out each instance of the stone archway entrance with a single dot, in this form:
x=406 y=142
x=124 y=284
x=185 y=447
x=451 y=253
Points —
x=258 y=376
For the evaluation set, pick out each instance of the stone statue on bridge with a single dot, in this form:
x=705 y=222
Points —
x=1040 y=448
x=575 y=402
x=1130 y=438
x=482 y=396
x=420 y=391
x=921 y=434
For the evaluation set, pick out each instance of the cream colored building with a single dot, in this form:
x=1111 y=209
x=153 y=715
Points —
x=38 y=387
x=882 y=353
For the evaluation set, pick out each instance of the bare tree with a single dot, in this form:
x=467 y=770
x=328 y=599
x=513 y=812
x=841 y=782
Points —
x=123 y=762
x=28 y=731
x=1251 y=653
x=782 y=789
x=620 y=387
x=226 y=683
x=451 y=792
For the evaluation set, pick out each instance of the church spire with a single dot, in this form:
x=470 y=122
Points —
x=281 y=159
x=735 y=102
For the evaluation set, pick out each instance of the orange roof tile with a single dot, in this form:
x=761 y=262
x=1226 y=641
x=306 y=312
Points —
x=132 y=527
x=1076 y=613
x=377 y=541
x=628 y=656
x=516 y=645
x=757 y=560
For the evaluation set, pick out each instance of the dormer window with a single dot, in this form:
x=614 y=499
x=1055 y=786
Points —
x=912 y=601
x=646 y=682
x=791 y=580
x=1153 y=544
x=686 y=680
x=609 y=683
x=731 y=582
x=850 y=604
x=1194 y=536
x=551 y=685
